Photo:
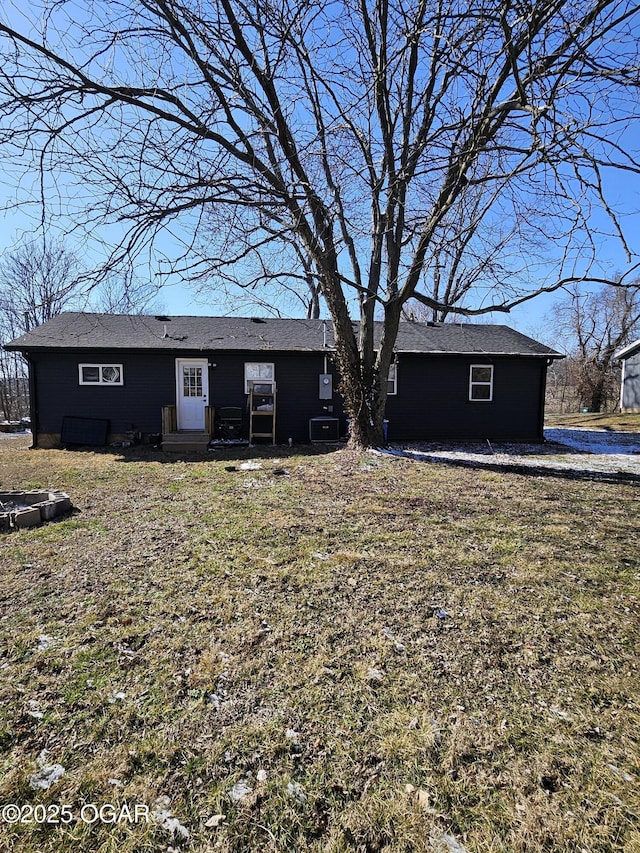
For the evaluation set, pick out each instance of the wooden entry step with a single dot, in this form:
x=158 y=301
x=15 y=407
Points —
x=185 y=442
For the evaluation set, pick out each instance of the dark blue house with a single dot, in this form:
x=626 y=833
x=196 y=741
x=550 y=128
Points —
x=105 y=377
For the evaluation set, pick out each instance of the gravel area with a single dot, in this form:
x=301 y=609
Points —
x=578 y=452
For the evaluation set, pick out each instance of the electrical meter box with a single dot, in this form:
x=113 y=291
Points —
x=326 y=386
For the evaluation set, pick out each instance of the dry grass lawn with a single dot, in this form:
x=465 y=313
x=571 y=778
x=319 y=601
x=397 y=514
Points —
x=360 y=654
x=616 y=421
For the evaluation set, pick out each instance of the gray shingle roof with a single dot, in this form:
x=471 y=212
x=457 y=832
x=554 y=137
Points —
x=76 y=330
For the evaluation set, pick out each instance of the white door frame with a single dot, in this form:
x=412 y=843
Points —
x=190 y=414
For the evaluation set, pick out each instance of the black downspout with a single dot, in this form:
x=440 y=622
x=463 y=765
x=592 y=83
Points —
x=33 y=401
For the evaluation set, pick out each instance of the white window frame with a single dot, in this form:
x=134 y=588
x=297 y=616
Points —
x=475 y=383
x=392 y=380
x=264 y=375
x=102 y=382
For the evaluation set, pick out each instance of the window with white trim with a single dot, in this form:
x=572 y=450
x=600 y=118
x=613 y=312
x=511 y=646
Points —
x=191 y=380
x=481 y=383
x=392 y=379
x=100 y=374
x=259 y=371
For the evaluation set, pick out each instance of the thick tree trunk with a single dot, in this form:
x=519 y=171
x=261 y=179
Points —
x=364 y=373
x=597 y=399
x=592 y=387
x=361 y=402
x=367 y=430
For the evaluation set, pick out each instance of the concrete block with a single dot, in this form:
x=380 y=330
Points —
x=13 y=496
x=34 y=497
x=48 y=510
x=35 y=506
x=62 y=502
x=27 y=517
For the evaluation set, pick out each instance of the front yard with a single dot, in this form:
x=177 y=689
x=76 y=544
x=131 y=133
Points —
x=328 y=652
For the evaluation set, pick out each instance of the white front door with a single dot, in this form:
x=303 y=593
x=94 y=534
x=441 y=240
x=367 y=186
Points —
x=192 y=392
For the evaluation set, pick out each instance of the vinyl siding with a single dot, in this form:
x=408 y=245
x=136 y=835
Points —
x=630 y=398
x=432 y=400
x=149 y=384
x=296 y=377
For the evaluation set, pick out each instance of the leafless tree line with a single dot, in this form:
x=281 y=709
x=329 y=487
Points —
x=36 y=282
x=596 y=325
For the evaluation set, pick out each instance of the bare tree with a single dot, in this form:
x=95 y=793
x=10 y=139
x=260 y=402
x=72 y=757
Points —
x=37 y=281
x=413 y=149
x=14 y=390
x=115 y=295
x=277 y=284
x=595 y=325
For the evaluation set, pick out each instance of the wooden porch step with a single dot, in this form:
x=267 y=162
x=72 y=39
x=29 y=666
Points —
x=185 y=442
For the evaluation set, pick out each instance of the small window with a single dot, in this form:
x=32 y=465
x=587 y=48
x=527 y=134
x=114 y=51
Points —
x=392 y=379
x=259 y=371
x=100 y=374
x=481 y=383
x=191 y=381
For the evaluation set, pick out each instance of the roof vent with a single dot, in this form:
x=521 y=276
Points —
x=257 y=320
x=162 y=319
